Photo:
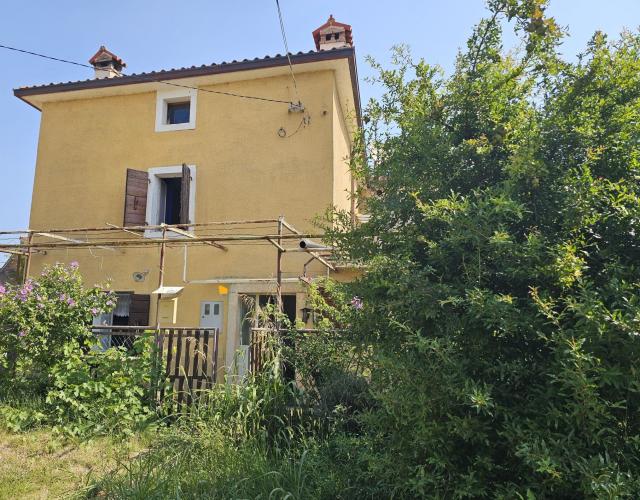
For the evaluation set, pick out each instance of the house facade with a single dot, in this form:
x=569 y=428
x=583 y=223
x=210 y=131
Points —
x=238 y=141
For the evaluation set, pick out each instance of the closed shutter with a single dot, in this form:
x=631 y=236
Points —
x=135 y=203
x=184 y=194
x=139 y=310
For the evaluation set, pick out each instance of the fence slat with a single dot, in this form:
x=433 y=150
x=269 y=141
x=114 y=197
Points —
x=205 y=361
x=168 y=365
x=187 y=362
x=197 y=352
x=216 y=336
x=176 y=372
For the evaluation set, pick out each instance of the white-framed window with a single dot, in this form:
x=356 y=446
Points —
x=166 y=197
x=176 y=110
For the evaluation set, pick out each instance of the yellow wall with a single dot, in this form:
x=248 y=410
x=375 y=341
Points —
x=341 y=153
x=244 y=170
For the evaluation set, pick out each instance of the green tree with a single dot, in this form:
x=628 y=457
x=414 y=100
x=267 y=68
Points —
x=500 y=301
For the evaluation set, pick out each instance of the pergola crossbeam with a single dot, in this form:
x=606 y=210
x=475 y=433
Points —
x=70 y=240
x=193 y=236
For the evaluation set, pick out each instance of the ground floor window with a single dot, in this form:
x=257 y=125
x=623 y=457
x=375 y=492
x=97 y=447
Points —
x=131 y=310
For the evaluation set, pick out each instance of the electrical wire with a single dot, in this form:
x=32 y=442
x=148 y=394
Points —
x=286 y=48
x=45 y=56
x=220 y=92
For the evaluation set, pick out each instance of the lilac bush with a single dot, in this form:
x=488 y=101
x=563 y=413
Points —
x=41 y=316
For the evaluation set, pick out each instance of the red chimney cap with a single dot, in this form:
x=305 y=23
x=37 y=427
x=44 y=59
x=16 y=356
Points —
x=104 y=54
x=332 y=22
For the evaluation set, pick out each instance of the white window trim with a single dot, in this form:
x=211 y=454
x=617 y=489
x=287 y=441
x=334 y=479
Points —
x=169 y=96
x=153 y=198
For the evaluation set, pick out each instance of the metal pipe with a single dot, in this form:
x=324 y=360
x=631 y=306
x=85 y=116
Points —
x=279 y=268
x=235 y=281
x=155 y=241
x=308 y=250
x=113 y=227
x=160 y=276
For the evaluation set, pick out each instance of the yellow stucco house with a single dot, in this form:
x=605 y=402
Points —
x=250 y=141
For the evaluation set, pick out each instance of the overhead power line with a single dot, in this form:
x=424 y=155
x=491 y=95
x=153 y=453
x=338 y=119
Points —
x=157 y=80
x=45 y=56
x=286 y=47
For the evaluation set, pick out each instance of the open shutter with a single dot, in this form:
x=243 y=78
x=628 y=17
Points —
x=184 y=194
x=139 y=310
x=135 y=203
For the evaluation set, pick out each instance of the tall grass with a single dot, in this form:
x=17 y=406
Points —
x=250 y=440
x=208 y=464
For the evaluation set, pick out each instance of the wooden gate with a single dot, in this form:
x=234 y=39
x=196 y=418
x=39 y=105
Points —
x=191 y=361
x=188 y=357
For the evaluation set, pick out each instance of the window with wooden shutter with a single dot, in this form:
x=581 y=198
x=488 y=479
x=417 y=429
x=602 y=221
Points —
x=135 y=203
x=185 y=190
x=139 y=310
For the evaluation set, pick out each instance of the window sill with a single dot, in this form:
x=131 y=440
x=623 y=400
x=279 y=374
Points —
x=175 y=127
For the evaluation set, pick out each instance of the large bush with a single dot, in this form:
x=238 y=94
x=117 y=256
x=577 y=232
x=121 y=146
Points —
x=500 y=302
x=40 y=317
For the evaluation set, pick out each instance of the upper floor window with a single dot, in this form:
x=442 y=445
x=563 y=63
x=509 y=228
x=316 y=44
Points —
x=161 y=195
x=176 y=110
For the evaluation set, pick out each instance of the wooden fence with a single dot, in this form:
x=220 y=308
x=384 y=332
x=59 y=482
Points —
x=189 y=357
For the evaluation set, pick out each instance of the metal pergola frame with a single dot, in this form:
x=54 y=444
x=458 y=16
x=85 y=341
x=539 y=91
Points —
x=182 y=234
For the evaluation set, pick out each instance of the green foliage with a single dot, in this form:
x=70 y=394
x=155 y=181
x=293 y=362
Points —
x=500 y=309
x=39 y=318
x=21 y=413
x=108 y=392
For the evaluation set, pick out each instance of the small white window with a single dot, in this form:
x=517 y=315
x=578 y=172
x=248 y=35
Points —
x=169 y=191
x=176 y=110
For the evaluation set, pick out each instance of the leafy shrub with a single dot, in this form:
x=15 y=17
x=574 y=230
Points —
x=39 y=318
x=23 y=412
x=108 y=392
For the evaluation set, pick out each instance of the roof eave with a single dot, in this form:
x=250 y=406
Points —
x=246 y=65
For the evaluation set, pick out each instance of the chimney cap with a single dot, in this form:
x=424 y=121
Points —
x=106 y=56
x=331 y=22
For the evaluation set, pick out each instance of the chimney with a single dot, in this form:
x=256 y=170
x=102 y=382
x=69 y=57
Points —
x=333 y=35
x=106 y=64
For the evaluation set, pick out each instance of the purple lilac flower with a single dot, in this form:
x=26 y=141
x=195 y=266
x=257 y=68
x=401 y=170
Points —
x=74 y=265
x=71 y=302
x=356 y=303
x=21 y=333
x=95 y=311
x=62 y=297
x=3 y=290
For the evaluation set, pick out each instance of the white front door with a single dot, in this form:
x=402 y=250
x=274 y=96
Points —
x=211 y=315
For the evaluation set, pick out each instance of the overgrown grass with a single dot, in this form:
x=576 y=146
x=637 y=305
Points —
x=208 y=464
x=251 y=440
x=37 y=465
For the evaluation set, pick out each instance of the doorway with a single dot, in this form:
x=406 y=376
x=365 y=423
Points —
x=250 y=307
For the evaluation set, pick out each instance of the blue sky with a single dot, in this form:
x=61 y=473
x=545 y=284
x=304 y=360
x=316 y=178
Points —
x=157 y=34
